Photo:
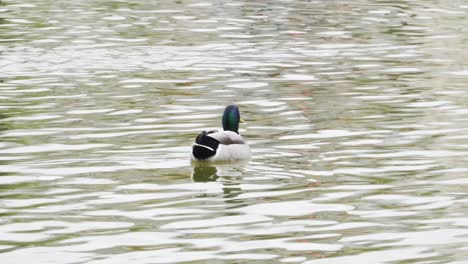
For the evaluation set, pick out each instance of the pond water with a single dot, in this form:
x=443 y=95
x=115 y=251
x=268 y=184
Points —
x=356 y=115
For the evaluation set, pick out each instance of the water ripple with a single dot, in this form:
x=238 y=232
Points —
x=355 y=114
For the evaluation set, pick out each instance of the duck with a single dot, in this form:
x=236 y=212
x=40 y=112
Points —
x=226 y=145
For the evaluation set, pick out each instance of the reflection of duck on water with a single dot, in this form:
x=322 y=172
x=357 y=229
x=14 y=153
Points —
x=204 y=174
x=228 y=175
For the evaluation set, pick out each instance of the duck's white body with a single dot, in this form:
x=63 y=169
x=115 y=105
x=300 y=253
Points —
x=232 y=152
x=231 y=147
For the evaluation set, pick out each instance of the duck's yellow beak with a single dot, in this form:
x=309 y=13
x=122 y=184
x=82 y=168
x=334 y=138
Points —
x=242 y=121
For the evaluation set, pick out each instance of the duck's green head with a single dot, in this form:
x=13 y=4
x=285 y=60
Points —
x=231 y=118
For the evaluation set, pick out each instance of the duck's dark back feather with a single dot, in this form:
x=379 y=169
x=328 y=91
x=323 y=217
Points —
x=205 y=146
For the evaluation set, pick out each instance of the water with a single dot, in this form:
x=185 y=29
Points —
x=356 y=115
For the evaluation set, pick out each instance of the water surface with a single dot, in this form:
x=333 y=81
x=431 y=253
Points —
x=356 y=115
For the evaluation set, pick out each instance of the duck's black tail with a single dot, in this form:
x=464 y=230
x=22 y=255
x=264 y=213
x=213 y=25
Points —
x=205 y=147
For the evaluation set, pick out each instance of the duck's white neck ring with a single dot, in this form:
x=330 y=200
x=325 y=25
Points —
x=203 y=146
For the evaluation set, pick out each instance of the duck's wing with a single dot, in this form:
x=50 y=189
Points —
x=227 y=137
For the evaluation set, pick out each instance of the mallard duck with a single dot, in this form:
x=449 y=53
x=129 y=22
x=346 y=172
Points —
x=214 y=145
